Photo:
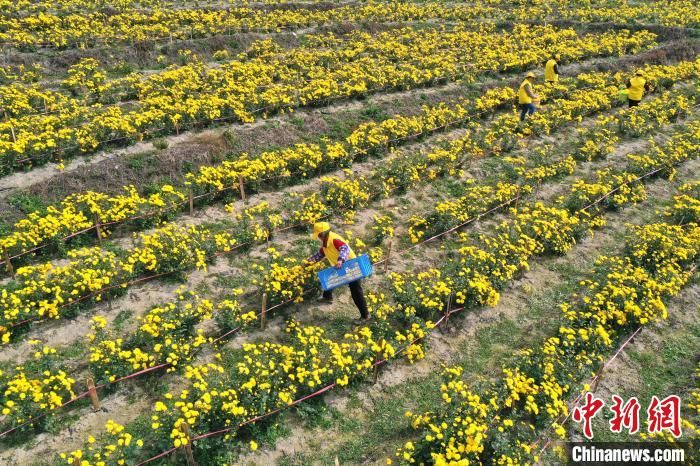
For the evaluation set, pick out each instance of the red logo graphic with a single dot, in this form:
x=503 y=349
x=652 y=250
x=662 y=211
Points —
x=665 y=415
x=626 y=416
x=661 y=415
x=587 y=412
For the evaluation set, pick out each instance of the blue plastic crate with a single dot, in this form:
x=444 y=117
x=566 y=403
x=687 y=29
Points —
x=352 y=270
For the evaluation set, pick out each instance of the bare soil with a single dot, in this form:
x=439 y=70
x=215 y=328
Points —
x=455 y=344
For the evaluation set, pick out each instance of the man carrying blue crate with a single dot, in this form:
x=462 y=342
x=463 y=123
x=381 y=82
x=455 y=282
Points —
x=336 y=250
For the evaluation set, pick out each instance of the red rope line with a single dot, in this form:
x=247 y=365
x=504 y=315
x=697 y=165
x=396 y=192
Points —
x=598 y=375
x=626 y=183
x=299 y=400
x=217 y=340
x=214 y=193
x=454 y=75
x=445 y=316
x=593 y=380
x=352 y=155
x=463 y=224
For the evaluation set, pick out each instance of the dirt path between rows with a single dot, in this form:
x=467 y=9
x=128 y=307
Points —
x=342 y=311
x=443 y=348
x=109 y=170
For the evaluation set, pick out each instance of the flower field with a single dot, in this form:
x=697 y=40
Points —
x=162 y=165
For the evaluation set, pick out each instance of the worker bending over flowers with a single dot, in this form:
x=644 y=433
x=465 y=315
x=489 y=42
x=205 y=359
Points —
x=636 y=86
x=551 y=69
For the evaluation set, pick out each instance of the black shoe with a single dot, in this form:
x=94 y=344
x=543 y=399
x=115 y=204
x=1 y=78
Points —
x=362 y=320
x=324 y=300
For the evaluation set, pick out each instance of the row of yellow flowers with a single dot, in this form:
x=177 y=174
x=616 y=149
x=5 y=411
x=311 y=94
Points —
x=66 y=26
x=674 y=13
x=79 y=212
x=506 y=422
x=45 y=291
x=53 y=291
x=282 y=280
x=113 y=357
x=179 y=98
x=26 y=7
x=64 y=7
x=28 y=299
x=271 y=375
x=90 y=28
x=651 y=115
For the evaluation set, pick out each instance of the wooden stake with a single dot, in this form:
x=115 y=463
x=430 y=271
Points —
x=388 y=256
x=448 y=310
x=92 y=392
x=337 y=463
x=376 y=365
x=97 y=228
x=241 y=187
x=14 y=138
x=376 y=370
x=263 y=311
x=191 y=201
x=8 y=263
x=187 y=448
x=597 y=381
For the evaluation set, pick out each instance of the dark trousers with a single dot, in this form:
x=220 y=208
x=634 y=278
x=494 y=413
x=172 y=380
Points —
x=526 y=109
x=633 y=103
x=358 y=297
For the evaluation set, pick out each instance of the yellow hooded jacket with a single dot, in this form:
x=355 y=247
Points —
x=523 y=97
x=331 y=249
x=636 y=89
x=549 y=74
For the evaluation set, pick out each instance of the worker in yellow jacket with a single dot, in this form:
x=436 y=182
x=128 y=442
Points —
x=636 y=86
x=336 y=251
x=526 y=96
x=551 y=69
